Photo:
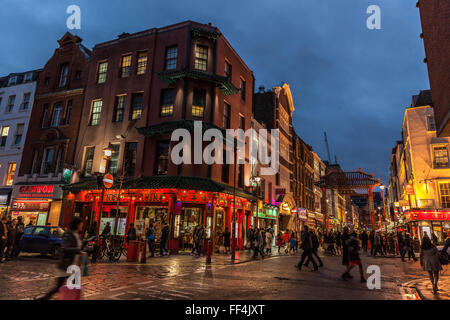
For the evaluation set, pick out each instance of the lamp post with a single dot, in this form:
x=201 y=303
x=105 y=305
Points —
x=257 y=179
x=233 y=220
x=107 y=154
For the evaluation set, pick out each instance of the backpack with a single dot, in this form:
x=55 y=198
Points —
x=443 y=258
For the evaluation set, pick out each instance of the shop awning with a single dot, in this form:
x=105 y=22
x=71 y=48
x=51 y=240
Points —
x=163 y=182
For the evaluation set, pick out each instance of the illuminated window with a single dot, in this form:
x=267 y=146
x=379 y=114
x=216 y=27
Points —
x=440 y=157
x=11 y=171
x=4 y=136
x=88 y=160
x=199 y=103
x=444 y=189
x=19 y=134
x=201 y=58
x=114 y=161
x=141 y=63
x=125 y=66
x=119 y=108
x=63 y=75
x=101 y=72
x=95 y=114
x=136 y=106
x=166 y=103
x=171 y=58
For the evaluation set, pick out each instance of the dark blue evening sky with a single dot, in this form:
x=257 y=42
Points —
x=347 y=80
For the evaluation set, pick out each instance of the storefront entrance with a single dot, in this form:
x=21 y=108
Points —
x=189 y=219
x=145 y=215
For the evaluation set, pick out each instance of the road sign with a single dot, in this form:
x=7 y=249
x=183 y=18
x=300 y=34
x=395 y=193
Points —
x=108 y=180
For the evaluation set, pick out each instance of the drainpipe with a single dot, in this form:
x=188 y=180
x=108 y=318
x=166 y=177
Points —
x=213 y=95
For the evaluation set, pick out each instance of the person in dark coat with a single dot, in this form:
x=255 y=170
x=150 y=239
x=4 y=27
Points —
x=20 y=228
x=307 y=246
x=11 y=238
x=345 y=237
x=434 y=239
x=315 y=248
x=131 y=234
x=352 y=247
x=106 y=230
x=409 y=248
x=3 y=237
x=226 y=240
x=429 y=259
x=71 y=245
x=365 y=241
x=338 y=242
x=163 y=251
x=150 y=235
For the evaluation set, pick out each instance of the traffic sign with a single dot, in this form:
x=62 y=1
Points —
x=108 y=180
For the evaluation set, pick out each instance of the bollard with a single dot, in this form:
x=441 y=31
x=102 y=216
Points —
x=208 y=252
x=144 y=252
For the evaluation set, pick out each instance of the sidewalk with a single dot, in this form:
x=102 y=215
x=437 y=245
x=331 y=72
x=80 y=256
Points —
x=424 y=288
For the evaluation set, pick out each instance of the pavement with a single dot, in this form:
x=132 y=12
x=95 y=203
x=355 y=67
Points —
x=186 y=277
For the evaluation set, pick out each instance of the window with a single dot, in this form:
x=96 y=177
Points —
x=4 y=136
x=88 y=160
x=101 y=72
x=56 y=116
x=44 y=115
x=95 y=114
x=78 y=75
x=141 y=63
x=136 y=106
x=166 y=102
x=444 y=189
x=228 y=70
x=12 y=80
x=171 y=58
x=226 y=115
x=243 y=89
x=19 y=134
x=63 y=75
x=34 y=164
x=10 y=105
x=58 y=160
x=199 y=103
x=201 y=58
x=125 y=66
x=225 y=168
x=162 y=158
x=114 y=161
x=68 y=111
x=130 y=158
x=28 y=77
x=119 y=108
x=48 y=160
x=25 y=101
x=440 y=157
x=431 y=126
x=11 y=172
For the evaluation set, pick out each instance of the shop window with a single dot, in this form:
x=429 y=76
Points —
x=96 y=112
x=4 y=135
x=125 y=66
x=19 y=134
x=63 y=75
x=130 y=158
x=119 y=108
x=171 y=58
x=48 y=160
x=141 y=63
x=201 y=58
x=444 y=189
x=88 y=160
x=56 y=115
x=166 y=102
x=146 y=215
x=162 y=158
x=199 y=103
x=440 y=155
x=101 y=72
x=226 y=115
x=11 y=172
x=190 y=219
x=114 y=161
x=136 y=106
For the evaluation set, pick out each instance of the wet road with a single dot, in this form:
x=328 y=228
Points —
x=186 y=277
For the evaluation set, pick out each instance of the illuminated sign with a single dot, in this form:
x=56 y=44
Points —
x=428 y=215
x=30 y=205
x=43 y=191
x=409 y=189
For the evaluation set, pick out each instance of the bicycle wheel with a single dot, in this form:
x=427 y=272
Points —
x=114 y=254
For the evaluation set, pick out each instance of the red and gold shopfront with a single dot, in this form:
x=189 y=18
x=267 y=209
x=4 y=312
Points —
x=182 y=209
x=435 y=222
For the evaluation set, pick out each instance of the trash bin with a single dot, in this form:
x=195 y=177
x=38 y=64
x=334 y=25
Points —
x=133 y=251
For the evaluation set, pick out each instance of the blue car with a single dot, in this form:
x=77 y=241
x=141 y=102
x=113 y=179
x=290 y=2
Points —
x=42 y=239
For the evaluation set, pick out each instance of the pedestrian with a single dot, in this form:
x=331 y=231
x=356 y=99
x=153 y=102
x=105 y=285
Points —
x=3 y=237
x=150 y=236
x=106 y=230
x=11 y=238
x=307 y=246
x=338 y=243
x=20 y=228
x=332 y=243
x=194 y=243
x=345 y=237
x=250 y=240
x=352 y=247
x=279 y=241
x=258 y=244
x=365 y=241
x=377 y=245
x=163 y=251
x=434 y=239
x=429 y=260
x=71 y=245
x=409 y=248
x=131 y=234
x=315 y=248
x=201 y=235
x=372 y=242
x=226 y=240
x=286 y=238
x=292 y=243
x=269 y=240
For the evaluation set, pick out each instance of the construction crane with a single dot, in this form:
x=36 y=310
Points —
x=328 y=148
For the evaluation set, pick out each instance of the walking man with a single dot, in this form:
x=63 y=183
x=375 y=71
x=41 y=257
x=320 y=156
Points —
x=307 y=246
x=315 y=248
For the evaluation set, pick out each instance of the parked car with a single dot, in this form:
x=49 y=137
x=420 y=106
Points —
x=42 y=239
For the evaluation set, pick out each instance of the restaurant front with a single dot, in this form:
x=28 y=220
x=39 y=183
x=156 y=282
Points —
x=435 y=222
x=183 y=209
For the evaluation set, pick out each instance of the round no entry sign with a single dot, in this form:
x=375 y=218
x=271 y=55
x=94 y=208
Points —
x=108 y=180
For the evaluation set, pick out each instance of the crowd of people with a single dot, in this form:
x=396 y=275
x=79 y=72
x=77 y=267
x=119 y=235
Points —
x=11 y=230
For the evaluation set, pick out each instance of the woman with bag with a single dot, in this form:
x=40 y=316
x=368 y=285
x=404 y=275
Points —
x=429 y=260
